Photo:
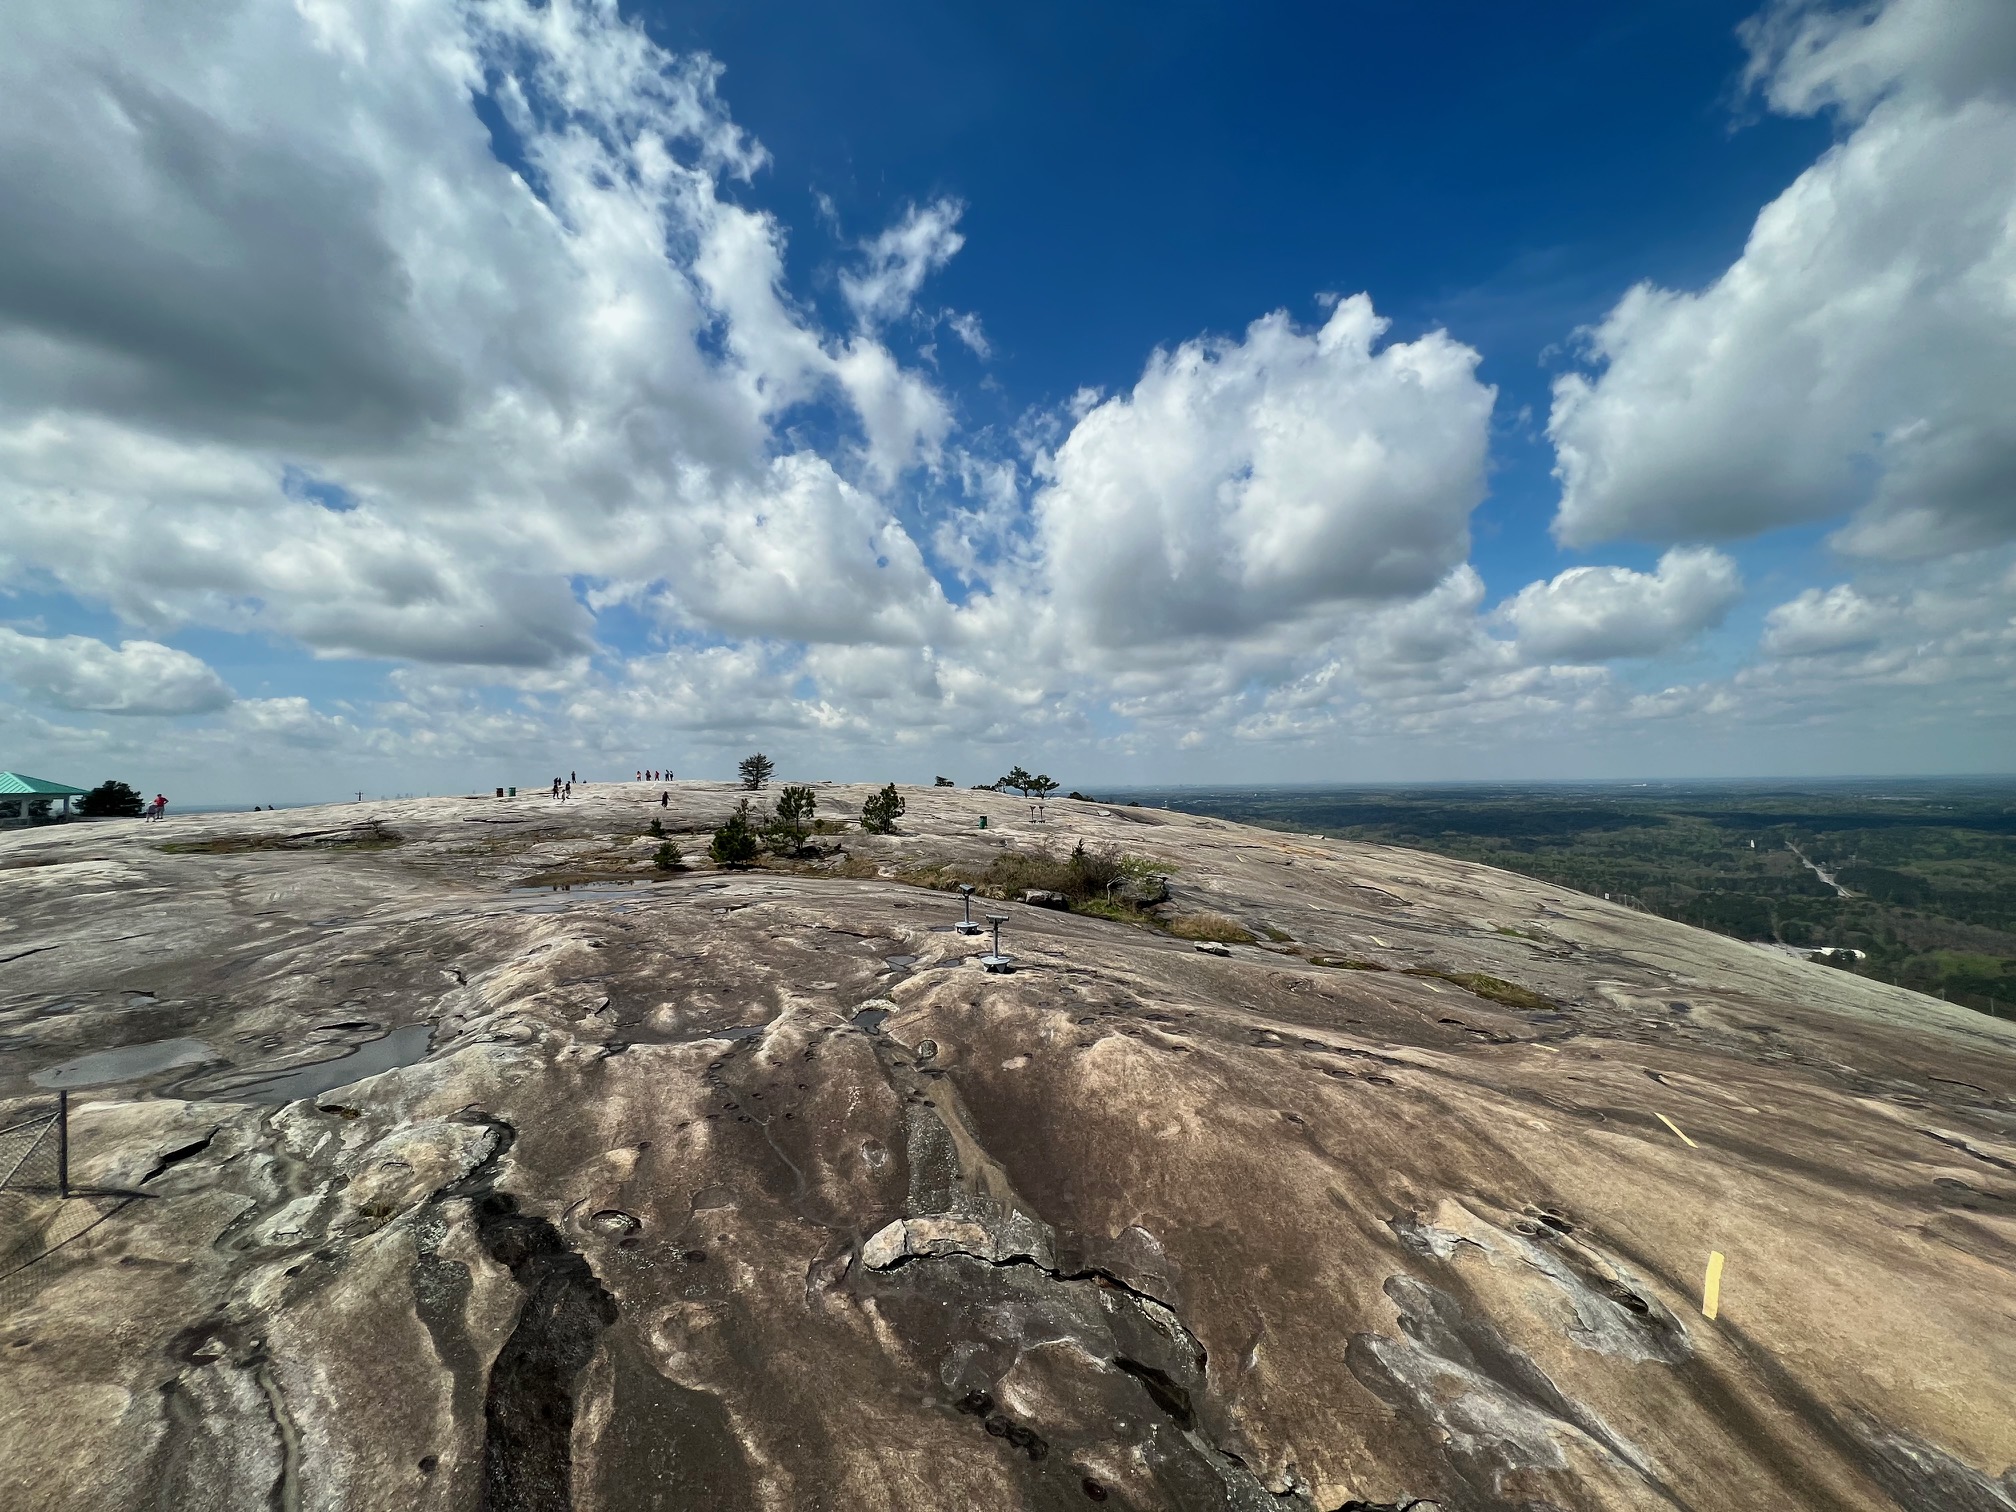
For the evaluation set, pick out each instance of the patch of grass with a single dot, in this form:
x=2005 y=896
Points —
x=1119 y=913
x=1496 y=989
x=1278 y=936
x=1210 y=926
x=860 y=868
x=1523 y=934
x=1083 y=877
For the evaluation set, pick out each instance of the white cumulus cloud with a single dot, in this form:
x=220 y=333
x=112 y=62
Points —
x=249 y=243
x=1860 y=353
x=1822 y=621
x=1592 y=614
x=136 y=677
x=1245 y=483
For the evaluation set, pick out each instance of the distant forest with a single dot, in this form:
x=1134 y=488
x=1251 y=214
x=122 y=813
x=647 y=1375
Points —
x=1929 y=866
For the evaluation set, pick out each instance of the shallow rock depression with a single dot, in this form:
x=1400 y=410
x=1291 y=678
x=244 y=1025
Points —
x=444 y=1154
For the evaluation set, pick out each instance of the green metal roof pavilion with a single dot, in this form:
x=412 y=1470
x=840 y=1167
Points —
x=13 y=784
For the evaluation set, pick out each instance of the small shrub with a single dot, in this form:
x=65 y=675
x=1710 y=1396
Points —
x=880 y=813
x=1278 y=936
x=787 y=830
x=734 y=844
x=1093 y=871
x=1208 y=926
x=667 y=857
x=942 y=782
x=755 y=771
x=657 y=830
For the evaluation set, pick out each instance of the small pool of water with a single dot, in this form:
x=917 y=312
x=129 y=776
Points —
x=401 y=1047
x=127 y=1063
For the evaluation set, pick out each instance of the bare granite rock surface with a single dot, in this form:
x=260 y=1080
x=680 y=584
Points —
x=412 y=1181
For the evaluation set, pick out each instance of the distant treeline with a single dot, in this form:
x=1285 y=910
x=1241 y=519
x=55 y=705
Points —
x=1931 y=866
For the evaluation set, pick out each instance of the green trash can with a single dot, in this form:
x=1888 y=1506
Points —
x=514 y=792
x=983 y=821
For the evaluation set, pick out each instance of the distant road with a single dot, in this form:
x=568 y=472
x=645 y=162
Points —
x=1818 y=870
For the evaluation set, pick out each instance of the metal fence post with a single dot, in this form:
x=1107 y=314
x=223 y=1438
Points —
x=63 y=1143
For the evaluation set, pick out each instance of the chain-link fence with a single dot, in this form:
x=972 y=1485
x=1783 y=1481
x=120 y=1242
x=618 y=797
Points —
x=40 y=1210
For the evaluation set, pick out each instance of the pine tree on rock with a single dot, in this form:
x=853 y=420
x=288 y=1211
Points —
x=791 y=825
x=756 y=770
x=880 y=813
x=734 y=844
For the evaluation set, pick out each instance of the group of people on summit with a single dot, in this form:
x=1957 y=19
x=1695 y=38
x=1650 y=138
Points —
x=563 y=787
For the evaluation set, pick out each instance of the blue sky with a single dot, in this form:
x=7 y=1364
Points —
x=421 y=397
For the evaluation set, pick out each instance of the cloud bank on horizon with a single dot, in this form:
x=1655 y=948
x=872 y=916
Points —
x=439 y=342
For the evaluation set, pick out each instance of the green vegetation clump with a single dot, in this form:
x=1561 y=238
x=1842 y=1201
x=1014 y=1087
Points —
x=1099 y=881
x=1496 y=989
x=1210 y=926
x=790 y=825
x=668 y=857
x=880 y=813
x=657 y=829
x=755 y=770
x=110 y=800
x=735 y=843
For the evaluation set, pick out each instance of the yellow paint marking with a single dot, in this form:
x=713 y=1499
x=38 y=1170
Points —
x=1548 y=1048
x=1683 y=1138
x=1379 y=942
x=1711 y=1285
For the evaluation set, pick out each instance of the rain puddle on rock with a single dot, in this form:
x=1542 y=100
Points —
x=401 y=1047
x=871 y=1019
x=127 y=1063
x=899 y=962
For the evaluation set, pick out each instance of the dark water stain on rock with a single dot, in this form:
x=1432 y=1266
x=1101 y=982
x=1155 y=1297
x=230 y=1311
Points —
x=667 y=1447
x=528 y=1411
x=528 y=1405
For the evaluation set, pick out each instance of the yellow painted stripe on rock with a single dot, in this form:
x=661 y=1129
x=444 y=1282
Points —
x=1677 y=1130
x=1711 y=1285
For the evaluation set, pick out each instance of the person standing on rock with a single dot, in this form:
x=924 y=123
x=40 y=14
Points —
x=664 y=800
